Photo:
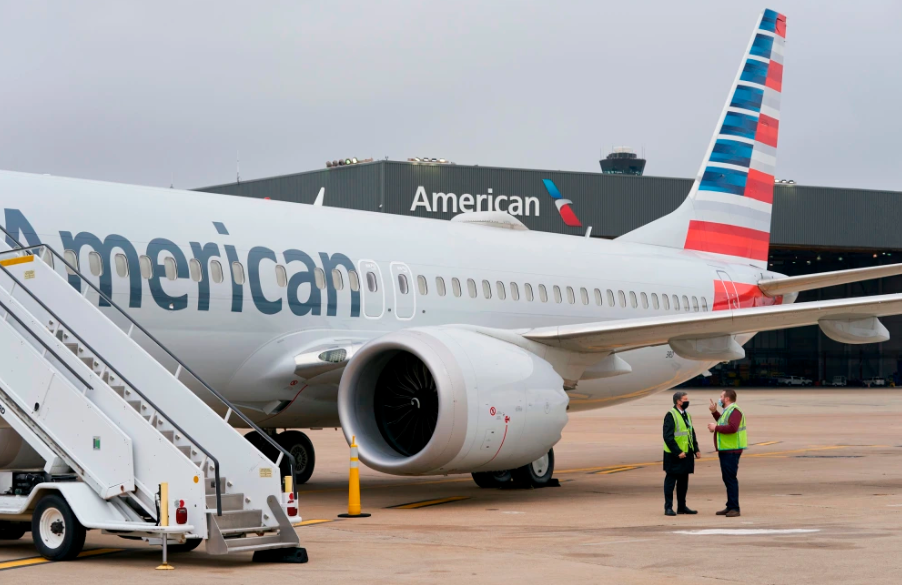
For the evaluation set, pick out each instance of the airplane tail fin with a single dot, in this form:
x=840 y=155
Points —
x=728 y=208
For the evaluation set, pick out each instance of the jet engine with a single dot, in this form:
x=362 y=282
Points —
x=439 y=400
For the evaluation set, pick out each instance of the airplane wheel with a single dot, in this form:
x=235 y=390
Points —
x=262 y=444
x=492 y=479
x=13 y=530
x=58 y=535
x=538 y=473
x=188 y=546
x=300 y=447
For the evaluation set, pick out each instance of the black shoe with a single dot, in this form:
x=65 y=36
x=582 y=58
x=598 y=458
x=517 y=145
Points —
x=669 y=512
x=686 y=511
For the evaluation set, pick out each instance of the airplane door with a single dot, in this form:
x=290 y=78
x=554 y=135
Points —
x=729 y=290
x=372 y=289
x=403 y=285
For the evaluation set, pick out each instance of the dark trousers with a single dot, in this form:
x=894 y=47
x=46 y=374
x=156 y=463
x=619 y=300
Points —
x=681 y=481
x=729 y=468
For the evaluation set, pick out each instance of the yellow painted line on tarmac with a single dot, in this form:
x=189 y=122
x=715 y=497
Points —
x=425 y=503
x=32 y=561
x=312 y=522
x=765 y=444
x=615 y=470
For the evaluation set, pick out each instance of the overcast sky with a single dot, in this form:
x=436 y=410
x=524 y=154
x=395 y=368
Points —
x=156 y=91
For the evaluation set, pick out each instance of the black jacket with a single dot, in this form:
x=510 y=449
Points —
x=672 y=461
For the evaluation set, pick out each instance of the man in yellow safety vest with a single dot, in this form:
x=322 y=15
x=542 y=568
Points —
x=680 y=452
x=730 y=439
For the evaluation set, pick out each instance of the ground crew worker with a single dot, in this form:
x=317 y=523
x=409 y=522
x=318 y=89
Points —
x=680 y=452
x=729 y=439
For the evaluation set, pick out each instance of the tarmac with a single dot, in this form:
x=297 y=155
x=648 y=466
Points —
x=820 y=491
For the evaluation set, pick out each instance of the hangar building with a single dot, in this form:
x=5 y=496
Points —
x=814 y=229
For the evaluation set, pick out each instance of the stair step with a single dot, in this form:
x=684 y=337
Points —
x=90 y=361
x=186 y=450
x=71 y=346
x=230 y=502
x=211 y=486
x=252 y=542
x=136 y=404
x=248 y=530
x=168 y=435
x=119 y=389
x=238 y=549
x=239 y=519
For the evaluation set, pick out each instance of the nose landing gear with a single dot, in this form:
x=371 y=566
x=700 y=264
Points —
x=536 y=474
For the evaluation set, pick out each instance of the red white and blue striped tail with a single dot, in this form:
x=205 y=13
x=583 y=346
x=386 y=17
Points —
x=728 y=209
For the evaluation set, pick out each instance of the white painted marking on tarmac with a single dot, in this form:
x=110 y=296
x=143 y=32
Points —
x=617 y=541
x=894 y=505
x=745 y=531
x=510 y=512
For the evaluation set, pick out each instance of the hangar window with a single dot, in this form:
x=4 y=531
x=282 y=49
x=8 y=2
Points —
x=695 y=304
x=95 y=263
x=440 y=286
x=622 y=298
x=515 y=292
x=319 y=278
x=557 y=294
x=610 y=294
x=633 y=302
x=666 y=301
x=676 y=303
x=471 y=288
x=337 y=280
x=353 y=280
x=238 y=272
x=499 y=288
x=170 y=268
x=72 y=258
x=654 y=301
x=194 y=269
x=571 y=296
x=455 y=285
x=685 y=303
x=215 y=269
x=421 y=285
x=598 y=299
x=528 y=289
x=644 y=298
x=121 y=265
x=487 y=289
x=372 y=283
x=584 y=295
x=402 y=284
x=543 y=293
x=704 y=304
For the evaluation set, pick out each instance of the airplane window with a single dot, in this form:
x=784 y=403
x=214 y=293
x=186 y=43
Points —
x=440 y=286
x=598 y=300
x=238 y=272
x=676 y=303
x=402 y=284
x=421 y=285
x=543 y=293
x=72 y=259
x=121 y=265
x=487 y=289
x=319 y=278
x=584 y=294
x=337 y=280
x=644 y=298
x=499 y=286
x=695 y=304
x=633 y=302
x=353 y=280
x=610 y=294
x=281 y=276
x=95 y=263
x=622 y=298
x=666 y=301
x=654 y=301
x=170 y=268
x=193 y=269
x=215 y=269
x=557 y=294
x=455 y=286
x=515 y=292
x=371 y=283
x=571 y=296
x=704 y=304
x=685 y=303
x=528 y=289
x=471 y=288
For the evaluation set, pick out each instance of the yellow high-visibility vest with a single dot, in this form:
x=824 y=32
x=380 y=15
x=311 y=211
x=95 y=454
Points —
x=737 y=440
x=682 y=433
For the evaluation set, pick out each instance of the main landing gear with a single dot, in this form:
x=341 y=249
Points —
x=535 y=474
x=296 y=443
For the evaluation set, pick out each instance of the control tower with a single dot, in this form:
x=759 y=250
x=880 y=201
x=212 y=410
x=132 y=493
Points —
x=622 y=161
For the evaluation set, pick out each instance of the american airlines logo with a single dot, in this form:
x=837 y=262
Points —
x=513 y=204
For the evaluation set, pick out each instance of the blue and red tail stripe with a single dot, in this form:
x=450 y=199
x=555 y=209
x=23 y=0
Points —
x=731 y=240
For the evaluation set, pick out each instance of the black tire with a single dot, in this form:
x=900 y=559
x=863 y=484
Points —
x=57 y=533
x=536 y=474
x=492 y=479
x=13 y=530
x=300 y=447
x=188 y=546
x=262 y=444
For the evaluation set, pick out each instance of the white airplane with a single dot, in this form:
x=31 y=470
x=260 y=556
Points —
x=450 y=347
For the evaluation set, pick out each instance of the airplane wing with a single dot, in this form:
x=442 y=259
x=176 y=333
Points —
x=775 y=287
x=846 y=320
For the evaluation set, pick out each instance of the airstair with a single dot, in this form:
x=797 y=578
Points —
x=99 y=429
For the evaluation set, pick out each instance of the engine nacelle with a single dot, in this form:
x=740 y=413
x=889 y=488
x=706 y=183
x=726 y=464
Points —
x=438 y=400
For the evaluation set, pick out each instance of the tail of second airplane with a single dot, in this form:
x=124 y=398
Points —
x=728 y=208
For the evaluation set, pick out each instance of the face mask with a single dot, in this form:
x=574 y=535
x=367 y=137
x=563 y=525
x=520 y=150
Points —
x=685 y=405
x=720 y=403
